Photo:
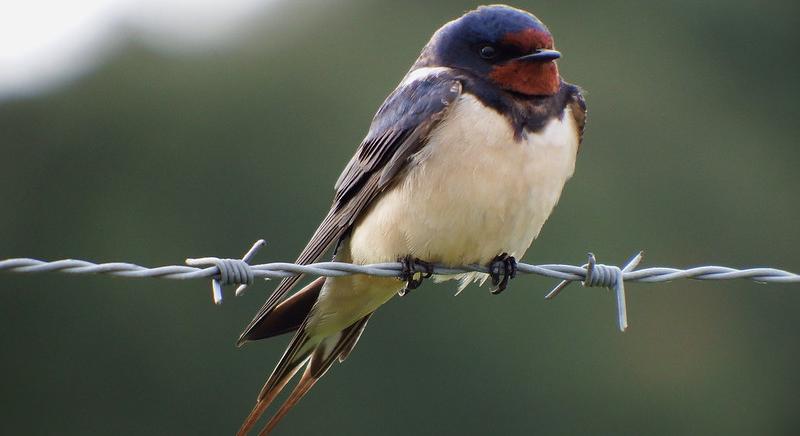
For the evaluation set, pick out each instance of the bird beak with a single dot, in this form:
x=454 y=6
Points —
x=541 y=55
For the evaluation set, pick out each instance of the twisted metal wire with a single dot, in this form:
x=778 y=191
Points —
x=238 y=271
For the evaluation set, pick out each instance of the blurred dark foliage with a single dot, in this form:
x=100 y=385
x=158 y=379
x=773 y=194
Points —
x=691 y=153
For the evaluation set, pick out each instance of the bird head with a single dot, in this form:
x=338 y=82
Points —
x=509 y=47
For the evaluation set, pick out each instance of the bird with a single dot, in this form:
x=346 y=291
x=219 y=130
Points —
x=462 y=164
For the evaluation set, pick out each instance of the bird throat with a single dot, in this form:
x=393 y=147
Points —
x=529 y=78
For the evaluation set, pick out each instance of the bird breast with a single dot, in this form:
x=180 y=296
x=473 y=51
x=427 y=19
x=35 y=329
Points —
x=472 y=192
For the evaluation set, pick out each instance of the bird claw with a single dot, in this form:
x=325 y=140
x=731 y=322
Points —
x=409 y=272
x=502 y=269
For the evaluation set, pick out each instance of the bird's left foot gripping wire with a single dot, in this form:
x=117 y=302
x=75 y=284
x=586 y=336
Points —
x=502 y=269
x=411 y=273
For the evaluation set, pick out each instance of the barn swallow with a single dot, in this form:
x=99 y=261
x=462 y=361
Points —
x=462 y=164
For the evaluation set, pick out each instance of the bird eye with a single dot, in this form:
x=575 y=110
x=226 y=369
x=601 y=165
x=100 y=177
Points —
x=488 y=52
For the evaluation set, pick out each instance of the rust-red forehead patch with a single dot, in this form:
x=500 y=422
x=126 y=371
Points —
x=529 y=39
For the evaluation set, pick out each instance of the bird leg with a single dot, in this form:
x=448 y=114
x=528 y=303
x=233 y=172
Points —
x=501 y=269
x=409 y=273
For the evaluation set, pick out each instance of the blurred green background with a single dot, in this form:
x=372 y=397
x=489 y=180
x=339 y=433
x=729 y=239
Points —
x=691 y=154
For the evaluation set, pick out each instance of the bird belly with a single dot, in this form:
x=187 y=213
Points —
x=473 y=192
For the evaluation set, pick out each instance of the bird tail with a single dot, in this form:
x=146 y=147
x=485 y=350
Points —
x=318 y=354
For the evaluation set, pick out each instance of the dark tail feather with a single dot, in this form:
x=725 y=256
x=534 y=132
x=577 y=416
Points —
x=303 y=386
x=289 y=315
x=293 y=358
x=263 y=403
x=358 y=329
x=328 y=231
x=322 y=357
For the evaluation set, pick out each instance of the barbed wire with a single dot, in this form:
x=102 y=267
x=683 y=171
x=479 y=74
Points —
x=224 y=271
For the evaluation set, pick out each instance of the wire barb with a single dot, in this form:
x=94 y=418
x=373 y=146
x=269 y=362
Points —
x=230 y=271
x=239 y=271
x=605 y=276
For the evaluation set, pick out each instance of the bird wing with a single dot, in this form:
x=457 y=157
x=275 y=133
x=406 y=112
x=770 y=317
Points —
x=577 y=106
x=400 y=128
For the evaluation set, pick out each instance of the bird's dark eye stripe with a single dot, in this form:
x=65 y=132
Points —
x=488 y=52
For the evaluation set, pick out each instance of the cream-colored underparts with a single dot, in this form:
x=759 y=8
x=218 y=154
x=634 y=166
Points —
x=471 y=193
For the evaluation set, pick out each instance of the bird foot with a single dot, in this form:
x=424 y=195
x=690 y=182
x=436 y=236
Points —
x=502 y=269
x=411 y=276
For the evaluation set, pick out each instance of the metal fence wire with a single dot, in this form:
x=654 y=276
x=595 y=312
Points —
x=223 y=271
